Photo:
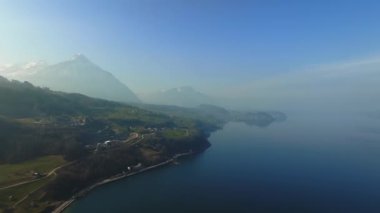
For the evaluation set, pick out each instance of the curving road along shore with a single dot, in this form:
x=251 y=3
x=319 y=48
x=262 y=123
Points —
x=82 y=193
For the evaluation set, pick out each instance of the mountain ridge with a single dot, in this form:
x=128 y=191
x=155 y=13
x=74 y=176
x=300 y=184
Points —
x=185 y=96
x=77 y=75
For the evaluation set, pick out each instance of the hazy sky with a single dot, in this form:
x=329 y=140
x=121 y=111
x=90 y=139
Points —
x=211 y=45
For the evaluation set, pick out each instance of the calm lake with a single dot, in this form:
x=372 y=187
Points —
x=309 y=163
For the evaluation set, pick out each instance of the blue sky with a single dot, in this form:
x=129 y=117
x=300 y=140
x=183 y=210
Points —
x=211 y=45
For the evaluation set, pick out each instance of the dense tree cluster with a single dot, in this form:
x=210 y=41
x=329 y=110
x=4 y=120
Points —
x=90 y=169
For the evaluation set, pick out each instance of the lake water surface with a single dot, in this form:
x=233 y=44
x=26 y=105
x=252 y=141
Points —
x=309 y=163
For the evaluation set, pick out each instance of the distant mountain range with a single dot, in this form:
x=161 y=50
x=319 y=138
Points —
x=78 y=75
x=181 y=96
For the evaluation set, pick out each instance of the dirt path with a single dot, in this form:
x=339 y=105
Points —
x=52 y=172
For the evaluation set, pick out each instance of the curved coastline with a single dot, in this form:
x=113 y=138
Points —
x=63 y=206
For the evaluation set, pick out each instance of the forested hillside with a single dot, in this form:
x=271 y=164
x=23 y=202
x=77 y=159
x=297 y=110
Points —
x=37 y=121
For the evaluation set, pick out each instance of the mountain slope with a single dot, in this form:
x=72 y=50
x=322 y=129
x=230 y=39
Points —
x=36 y=121
x=100 y=138
x=78 y=75
x=181 y=96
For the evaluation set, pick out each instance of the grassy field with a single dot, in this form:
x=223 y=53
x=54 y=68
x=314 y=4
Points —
x=20 y=192
x=15 y=173
x=175 y=133
x=150 y=154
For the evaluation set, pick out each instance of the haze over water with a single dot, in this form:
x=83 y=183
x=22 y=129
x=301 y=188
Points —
x=309 y=163
x=318 y=57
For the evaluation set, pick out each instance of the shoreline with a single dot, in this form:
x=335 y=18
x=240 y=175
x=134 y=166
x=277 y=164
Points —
x=63 y=206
